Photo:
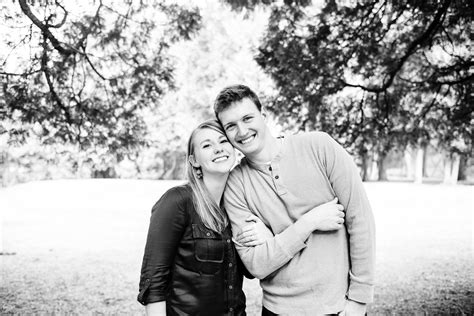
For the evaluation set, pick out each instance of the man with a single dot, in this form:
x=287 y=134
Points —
x=282 y=181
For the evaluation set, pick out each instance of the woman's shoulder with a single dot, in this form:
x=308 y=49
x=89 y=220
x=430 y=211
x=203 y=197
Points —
x=180 y=193
x=177 y=196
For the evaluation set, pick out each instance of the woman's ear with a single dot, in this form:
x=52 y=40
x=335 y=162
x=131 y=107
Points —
x=193 y=162
x=264 y=114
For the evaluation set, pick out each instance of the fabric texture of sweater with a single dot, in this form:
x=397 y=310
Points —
x=301 y=274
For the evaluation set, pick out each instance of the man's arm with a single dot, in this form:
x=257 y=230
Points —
x=266 y=258
x=348 y=187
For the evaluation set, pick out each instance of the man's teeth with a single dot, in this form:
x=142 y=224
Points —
x=247 y=140
x=220 y=159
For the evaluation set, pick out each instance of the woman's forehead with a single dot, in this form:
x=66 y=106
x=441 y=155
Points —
x=207 y=133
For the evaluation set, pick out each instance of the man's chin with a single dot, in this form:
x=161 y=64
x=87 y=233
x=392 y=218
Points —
x=246 y=150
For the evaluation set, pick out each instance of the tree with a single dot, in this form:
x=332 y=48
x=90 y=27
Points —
x=81 y=74
x=220 y=54
x=377 y=75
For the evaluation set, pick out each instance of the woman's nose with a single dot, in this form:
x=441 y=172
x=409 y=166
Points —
x=218 y=148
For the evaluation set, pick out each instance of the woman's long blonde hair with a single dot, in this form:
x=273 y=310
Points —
x=210 y=213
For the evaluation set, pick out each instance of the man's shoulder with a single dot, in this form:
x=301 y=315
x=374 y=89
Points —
x=310 y=136
x=313 y=139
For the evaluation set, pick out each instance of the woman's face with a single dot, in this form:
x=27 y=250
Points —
x=212 y=152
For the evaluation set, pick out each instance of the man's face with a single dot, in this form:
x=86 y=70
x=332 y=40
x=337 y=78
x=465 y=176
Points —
x=244 y=126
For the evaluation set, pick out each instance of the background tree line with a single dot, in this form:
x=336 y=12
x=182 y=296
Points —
x=112 y=88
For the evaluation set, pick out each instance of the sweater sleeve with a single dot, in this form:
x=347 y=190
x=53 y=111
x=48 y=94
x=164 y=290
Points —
x=167 y=224
x=348 y=187
x=264 y=259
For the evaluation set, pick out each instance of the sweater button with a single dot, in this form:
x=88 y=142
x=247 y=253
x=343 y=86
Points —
x=277 y=177
x=208 y=234
x=230 y=287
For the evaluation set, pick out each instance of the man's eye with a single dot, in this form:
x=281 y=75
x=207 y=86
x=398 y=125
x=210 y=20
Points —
x=206 y=146
x=224 y=141
x=229 y=127
x=248 y=119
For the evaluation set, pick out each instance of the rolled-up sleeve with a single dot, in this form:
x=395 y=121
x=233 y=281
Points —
x=167 y=224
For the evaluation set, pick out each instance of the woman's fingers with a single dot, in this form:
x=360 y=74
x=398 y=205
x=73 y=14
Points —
x=253 y=243
x=247 y=239
x=252 y=218
x=247 y=229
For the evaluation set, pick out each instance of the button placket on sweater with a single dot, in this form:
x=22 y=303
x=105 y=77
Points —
x=274 y=170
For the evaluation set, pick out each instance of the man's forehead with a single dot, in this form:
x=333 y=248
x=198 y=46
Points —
x=238 y=109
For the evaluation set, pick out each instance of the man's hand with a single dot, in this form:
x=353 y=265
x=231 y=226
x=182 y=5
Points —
x=354 y=308
x=326 y=217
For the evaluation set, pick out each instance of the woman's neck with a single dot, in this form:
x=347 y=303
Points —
x=215 y=184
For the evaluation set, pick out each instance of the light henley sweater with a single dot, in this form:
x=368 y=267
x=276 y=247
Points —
x=305 y=274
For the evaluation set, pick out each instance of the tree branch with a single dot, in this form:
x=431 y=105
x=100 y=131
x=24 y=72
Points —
x=54 y=95
x=58 y=25
x=44 y=29
x=435 y=24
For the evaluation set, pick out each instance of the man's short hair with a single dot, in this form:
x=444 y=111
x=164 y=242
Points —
x=232 y=94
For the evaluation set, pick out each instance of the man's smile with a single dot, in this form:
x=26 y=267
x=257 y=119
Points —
x=246 y=140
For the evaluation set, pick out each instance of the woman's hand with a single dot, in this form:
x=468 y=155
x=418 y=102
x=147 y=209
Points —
x=326 y=217
x=253 y=234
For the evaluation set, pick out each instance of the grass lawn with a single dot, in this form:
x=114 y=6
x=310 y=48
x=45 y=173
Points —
x=75 y=246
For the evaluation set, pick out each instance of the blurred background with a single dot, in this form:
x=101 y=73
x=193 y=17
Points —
x=98 y=98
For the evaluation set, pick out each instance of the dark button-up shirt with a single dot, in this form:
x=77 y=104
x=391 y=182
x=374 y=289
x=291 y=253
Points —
x=194 y=269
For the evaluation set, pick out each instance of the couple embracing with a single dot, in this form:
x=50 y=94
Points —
x=293 y=213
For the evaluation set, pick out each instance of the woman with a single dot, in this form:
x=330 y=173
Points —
x=190 y=265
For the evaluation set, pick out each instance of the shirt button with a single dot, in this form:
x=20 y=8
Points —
x=208 y=234
x=230 y=287
x=230 y=264
x=276 y=177
x=228 y=241
x=231 y=309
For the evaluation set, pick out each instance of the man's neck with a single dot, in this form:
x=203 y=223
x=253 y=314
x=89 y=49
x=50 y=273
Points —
x=269 y=151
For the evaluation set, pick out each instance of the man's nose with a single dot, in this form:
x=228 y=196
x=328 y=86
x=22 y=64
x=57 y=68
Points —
x=241 y=129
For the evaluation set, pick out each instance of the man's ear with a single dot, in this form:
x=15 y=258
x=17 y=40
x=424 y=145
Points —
x=193 y=162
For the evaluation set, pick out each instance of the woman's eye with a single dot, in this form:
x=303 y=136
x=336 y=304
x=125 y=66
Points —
x=248 y=118
x=224 y=141
x=206 y=146
x=230 y=127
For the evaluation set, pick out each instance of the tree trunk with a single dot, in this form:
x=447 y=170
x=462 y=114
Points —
x=425 y=162
x=382 y=172
x=374 y=168
x=168 y=175
x=462 y=168
x=365 y=167
x=451 y=168
x=455 y=168
x=420 y=152
x=409 y=171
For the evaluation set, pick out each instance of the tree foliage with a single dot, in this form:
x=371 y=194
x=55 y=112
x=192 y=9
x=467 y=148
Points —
x=376 y=74
x=80 y=73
